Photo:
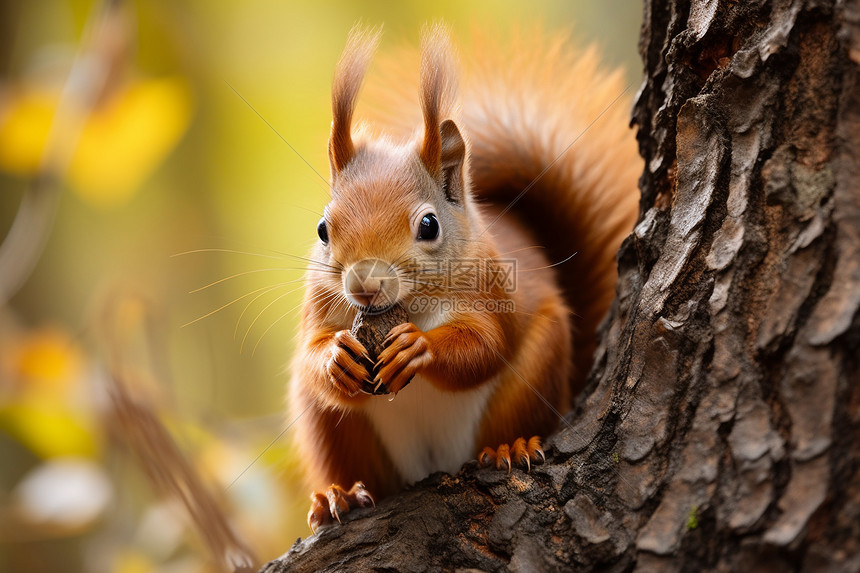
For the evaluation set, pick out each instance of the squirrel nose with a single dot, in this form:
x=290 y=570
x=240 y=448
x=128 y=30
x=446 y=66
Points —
x=371 y=283
x=364 y=292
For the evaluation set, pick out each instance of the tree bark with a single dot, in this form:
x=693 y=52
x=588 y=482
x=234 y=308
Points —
x=720 y=426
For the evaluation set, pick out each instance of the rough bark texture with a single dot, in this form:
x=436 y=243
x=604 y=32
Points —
x=721 y=424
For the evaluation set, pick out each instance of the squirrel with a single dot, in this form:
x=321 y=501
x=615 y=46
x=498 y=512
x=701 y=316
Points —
x=480 y=208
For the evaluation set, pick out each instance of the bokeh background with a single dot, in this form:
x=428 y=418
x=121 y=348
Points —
x=139 y=135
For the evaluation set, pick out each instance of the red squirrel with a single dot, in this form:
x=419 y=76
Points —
x=490 y=180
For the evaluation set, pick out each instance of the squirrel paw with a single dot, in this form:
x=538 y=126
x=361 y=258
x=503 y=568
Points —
x=406 y=352
x=521 y=453
x=344 y=371
x=329 y=505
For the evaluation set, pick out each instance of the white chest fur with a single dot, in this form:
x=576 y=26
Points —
x=425 y=429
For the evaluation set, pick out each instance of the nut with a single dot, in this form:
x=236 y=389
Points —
x=371 y=330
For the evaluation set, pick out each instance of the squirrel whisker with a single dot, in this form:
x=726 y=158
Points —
x=276 y=321
x=259 y=314
x=255 y=299
x=237 y=299
x=250 y=272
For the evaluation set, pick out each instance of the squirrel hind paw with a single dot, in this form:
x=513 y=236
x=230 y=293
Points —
x=328 y=506
x=522 y=453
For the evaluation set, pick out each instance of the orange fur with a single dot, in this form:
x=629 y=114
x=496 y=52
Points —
x=466 y=162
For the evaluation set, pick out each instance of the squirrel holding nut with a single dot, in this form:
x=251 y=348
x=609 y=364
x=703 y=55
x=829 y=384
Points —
x=463 y=264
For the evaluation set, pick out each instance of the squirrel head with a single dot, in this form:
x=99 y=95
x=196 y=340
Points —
x=399 y=211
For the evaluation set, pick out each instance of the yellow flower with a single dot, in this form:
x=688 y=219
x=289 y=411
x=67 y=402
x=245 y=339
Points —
x=41 y=407
x=121 y=142
x=25 y=121
x=47 y=357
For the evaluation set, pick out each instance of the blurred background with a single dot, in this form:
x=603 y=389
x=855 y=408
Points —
x=151 y=220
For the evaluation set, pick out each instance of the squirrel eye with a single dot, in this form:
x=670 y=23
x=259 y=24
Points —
x=428 y=228
x=322 y=231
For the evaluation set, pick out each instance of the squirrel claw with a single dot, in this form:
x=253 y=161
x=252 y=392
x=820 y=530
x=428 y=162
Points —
x=535 y=449
x=503 y=456
x=344 y=372
x=522 y=453
x=487 y=456
x=326 y=507
x=319 y=513
x=406 y=353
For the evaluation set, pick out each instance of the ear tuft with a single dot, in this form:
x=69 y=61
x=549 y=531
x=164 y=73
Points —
x=348 y=77
x=438 y=85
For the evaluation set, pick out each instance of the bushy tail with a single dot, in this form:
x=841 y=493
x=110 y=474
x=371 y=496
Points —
x=550 y=141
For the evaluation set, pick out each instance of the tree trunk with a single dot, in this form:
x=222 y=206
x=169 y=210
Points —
x=721 y=423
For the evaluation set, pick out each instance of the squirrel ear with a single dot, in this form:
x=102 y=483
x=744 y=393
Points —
x=348 y=77
x=451 y=161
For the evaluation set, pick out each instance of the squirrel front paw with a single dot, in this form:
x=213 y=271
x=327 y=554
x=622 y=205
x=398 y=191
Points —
x=329 y=505
x=344 y=371
x=521 y=453
x=406 y=352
